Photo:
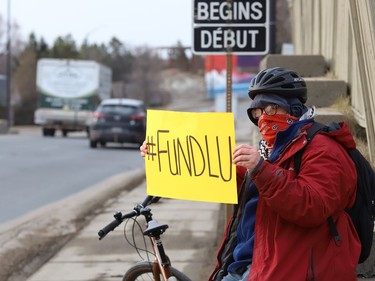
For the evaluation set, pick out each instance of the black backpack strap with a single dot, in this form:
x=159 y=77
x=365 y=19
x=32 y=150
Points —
x=334 y=232
x=311 y=132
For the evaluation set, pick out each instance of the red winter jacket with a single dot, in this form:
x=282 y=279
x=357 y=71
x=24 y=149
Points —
x=292 y=237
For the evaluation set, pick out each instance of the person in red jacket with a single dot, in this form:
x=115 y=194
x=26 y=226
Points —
x=279 y=229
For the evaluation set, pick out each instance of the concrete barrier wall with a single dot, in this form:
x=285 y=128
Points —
x=343 y=32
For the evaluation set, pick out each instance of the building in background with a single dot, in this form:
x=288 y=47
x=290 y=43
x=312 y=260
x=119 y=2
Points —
x=244 y=69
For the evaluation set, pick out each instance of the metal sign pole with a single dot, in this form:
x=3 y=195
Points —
x=229 y=81
x=221 y=29
x=229 y=208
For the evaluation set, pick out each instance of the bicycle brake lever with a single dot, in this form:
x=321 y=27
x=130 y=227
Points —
x=117 y=215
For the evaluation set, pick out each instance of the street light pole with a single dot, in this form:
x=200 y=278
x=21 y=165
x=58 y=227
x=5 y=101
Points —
x=91 y=32
x=9 y=72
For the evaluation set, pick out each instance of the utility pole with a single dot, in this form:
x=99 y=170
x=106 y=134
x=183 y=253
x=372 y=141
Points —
x=9 y=71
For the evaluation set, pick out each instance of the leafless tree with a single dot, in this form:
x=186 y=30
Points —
x=24 y=81
x=146 y=77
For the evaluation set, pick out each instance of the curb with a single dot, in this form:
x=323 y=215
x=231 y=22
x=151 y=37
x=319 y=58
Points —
x=29 y=241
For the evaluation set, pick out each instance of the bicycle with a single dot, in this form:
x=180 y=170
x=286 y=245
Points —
x=160 y=269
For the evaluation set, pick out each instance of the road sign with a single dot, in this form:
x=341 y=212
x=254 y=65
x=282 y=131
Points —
x=236 y=26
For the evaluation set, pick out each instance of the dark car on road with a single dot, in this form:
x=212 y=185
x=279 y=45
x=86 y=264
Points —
x=118 y=121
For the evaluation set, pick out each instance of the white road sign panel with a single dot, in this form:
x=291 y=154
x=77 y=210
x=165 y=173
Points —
x=241 y=27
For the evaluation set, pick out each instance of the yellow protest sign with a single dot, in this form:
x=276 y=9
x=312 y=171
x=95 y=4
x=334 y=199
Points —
x=190 y=156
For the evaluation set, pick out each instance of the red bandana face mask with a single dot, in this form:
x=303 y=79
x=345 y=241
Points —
x=269 y=126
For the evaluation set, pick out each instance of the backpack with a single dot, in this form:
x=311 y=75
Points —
x=362 y=212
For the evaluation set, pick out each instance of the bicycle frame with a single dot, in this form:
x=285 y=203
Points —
x=161 y=266
x=154 y=231
x=158 y=266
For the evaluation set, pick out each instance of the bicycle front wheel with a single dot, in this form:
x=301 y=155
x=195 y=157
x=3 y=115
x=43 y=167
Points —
x=143 y=271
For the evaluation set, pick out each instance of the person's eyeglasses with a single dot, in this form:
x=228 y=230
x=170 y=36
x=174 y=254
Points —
x=270 y=110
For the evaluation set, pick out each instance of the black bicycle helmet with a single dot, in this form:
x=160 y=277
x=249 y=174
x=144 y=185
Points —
x=279 y=81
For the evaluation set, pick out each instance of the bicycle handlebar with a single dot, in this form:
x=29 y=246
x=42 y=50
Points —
x=103 y=232
x=119 y=217
x=147 y=201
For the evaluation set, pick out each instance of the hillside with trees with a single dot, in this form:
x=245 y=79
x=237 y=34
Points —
x=137 y=72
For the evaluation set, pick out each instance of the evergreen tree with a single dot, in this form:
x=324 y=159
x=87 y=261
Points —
x=64 y=48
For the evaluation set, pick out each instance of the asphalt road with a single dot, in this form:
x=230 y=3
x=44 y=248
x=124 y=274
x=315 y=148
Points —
x=38 y=170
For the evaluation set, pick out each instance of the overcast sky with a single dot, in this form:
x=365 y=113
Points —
x=134 y=22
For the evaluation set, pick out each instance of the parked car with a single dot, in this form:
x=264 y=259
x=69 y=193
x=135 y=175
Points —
x=118 y=121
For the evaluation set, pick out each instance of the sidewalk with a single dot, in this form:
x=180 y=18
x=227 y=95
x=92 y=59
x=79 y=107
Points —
x=191 y=241
x=194 y=229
